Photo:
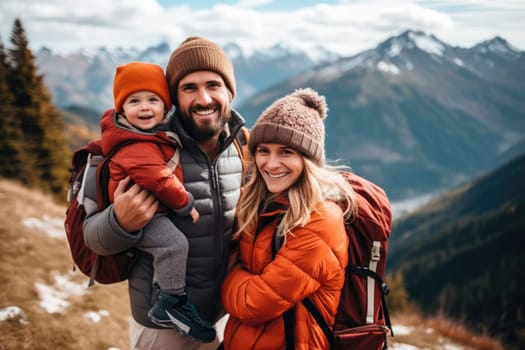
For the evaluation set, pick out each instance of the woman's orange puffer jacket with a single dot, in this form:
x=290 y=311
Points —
x=260 y=289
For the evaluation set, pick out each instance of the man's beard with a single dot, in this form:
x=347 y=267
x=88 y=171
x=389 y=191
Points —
x=202 y=134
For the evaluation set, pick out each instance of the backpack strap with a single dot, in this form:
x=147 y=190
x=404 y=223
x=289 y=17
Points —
x=81 y=191
x=241 y=143
x=373 y=280
x=174 y=160
x=365 y=272
x=243 y=136
x=310 y=306
x=289 y=315
x=360 y=271
x=103 y=175
x=94 y=270
x=375 y=255
x=289 y=328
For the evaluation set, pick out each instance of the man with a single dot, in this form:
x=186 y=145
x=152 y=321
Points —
x=202 y=86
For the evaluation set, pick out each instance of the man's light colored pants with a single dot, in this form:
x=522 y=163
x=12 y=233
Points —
x=143 y=338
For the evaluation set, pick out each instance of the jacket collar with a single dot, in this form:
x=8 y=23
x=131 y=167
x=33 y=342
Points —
x=275 y=209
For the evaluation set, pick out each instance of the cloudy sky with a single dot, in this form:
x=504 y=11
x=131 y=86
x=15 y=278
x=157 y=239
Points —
x=345 y=26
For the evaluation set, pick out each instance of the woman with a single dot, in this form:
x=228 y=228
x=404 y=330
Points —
x=290 y=194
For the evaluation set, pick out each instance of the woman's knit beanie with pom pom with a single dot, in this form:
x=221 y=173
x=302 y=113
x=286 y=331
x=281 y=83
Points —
x=295 y=120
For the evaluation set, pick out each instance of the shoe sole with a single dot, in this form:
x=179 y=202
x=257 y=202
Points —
x=171 y=325
x=158 y=322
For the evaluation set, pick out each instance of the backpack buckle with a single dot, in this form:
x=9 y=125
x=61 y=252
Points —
x=375 y=253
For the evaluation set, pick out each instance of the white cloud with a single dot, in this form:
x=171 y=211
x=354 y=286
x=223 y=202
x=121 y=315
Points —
x=345 y=26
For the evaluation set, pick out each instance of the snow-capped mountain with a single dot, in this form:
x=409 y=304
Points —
x=416 y=114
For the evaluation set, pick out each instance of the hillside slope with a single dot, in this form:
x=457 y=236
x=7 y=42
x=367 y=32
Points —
x=462 y=253
x=82 y=125
x=47 y=305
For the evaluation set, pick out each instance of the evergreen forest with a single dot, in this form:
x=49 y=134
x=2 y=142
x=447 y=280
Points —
x=33 y=143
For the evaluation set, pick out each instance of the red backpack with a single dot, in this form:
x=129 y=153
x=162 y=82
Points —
x=103 y=269
x=362 y=320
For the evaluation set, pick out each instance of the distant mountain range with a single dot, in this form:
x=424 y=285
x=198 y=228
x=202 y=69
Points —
x=85 y=78
x=413 y=114
x=462 y=253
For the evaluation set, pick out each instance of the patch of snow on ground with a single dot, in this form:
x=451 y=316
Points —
x=402 y=330
x=53 y=299
x=96 y=316
x=53 y=227
x=401 y=346
x=12 y=312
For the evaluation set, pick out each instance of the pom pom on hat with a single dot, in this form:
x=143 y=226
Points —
x=139 y=76
x=195 y=54
x=295 y=120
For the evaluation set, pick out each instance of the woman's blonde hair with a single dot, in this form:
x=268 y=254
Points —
x=315 y=185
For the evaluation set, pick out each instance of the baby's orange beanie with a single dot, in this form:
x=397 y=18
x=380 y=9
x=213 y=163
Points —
x=139 y=76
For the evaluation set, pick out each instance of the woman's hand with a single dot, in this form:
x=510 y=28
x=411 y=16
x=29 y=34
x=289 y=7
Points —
x=134 y=207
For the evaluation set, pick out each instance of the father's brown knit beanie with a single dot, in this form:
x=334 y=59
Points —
x=139 y=76
x=295 y=120
x=196 y=54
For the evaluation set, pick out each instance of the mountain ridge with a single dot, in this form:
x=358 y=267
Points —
x=85 y=77
x=414 y=114
x=461 y=252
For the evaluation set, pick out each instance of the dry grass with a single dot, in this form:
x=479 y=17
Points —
x=28 y=256
x=436 y=332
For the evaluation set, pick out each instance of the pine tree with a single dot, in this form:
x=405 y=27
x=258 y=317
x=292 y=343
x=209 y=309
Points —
x=11 y=146
x=20 y=79
x=55 y=155
x=45 y=147
x=397 y=300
